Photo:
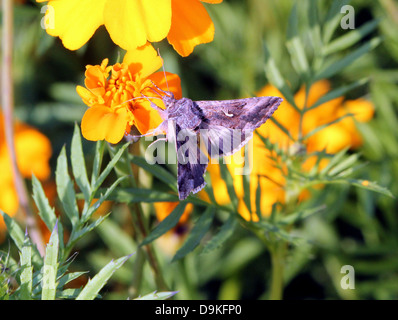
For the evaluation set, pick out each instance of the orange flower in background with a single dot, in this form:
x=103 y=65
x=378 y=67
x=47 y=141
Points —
x=108 y=88
x=172 y=240
x=131 y=23
x=265 y=171
x=33 y=151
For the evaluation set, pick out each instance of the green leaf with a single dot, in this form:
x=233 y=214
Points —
x=118 y=241
x=133 y=195
x=50 y=267
x=66 y=278
x=295 y=46
x=343 y=165
x=225 y=232
x=88 y=213
x=46 y=212
x=65 y=188
x=334 y=161
x=314 y=25
x=69 y=293
x=165 y=225
x=99 y=154
x=340 y=64
x=109 y=168
x=157 y=295
x=350 y=38
x=333 y=19
x=197 y=233
x=283 y=129
x=95 y=284
x=275 y=77
x=27 y=270
x=227 y=177
x=79 y=165
x=301 y=215
x=86 y=229
x=18 y=236
x=156 y=170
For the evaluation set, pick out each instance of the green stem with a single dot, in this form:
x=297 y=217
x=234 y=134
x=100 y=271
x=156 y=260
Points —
x=278 y=262
x=140 y=226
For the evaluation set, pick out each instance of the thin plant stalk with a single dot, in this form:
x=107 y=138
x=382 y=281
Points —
x=7 y=100
x=141 y=229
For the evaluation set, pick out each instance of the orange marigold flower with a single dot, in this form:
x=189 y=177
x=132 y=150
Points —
x=33 y=151
x=131 y=23
x=265 y=171
x=117 y=95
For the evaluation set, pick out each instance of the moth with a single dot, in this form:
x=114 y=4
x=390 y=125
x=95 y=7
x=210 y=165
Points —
x=223 y=127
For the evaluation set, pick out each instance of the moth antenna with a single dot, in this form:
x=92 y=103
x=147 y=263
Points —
x=164 y=71
x=165 y=92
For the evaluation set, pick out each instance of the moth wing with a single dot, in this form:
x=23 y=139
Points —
x=221 y=141
x=191 y=163
x=245 y=114
x=229 y=124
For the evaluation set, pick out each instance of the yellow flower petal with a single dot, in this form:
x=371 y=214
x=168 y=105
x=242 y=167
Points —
x=333 y=138
x=100 y=122
x=191 y=25
x=131 y=23
x=75 y=21
x=362 y=109
x=143 y=60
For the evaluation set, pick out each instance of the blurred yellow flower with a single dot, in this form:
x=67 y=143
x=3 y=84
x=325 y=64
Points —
x=33 y=151
x=108 y=88
x=131 y=23
x=172 y=240
x=332 y=138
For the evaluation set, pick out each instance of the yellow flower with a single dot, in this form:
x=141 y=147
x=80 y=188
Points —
x=265 y=171
x=131 y=23
x=109 y=89
x=33 y=151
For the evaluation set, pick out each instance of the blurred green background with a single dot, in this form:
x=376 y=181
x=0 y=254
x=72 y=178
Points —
x=359 y=228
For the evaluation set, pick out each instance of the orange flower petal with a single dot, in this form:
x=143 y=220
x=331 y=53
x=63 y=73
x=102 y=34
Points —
x=131 y=23
x=173 y=83
x=212 y=1
x=74 y=21
x=33 y=151
x=100 y=122
x=87 y=96
x=190 y=26
x=145 y=117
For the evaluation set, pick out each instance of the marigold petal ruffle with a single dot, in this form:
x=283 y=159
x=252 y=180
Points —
x=103 y=123
x=191 y=25
x=131 y=23
x=74 y=21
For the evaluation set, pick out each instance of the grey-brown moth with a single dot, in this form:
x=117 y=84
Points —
x=223 y=127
